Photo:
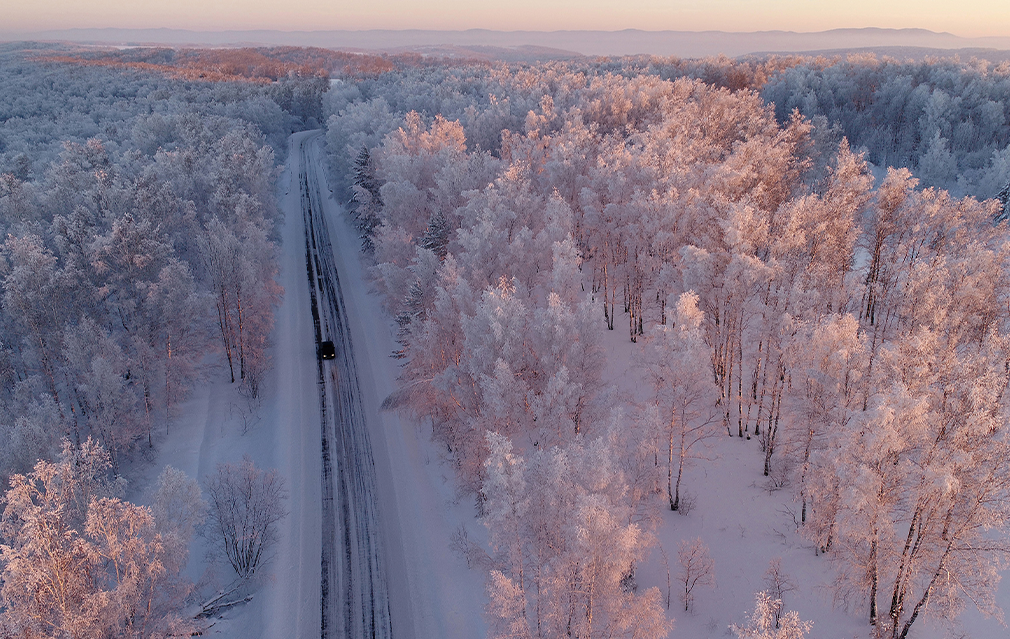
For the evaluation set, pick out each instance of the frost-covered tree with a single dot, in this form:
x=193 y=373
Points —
x=36 y=292
x=945 y=119
x=914 y=526
x=564 y=553
x=179 y=509
x=366 y=200
x=80 y=562
x=685 y=394
x=1004 y=202
x=240 y=261
x=778 y=584
x=768 y=622
x=827 y=362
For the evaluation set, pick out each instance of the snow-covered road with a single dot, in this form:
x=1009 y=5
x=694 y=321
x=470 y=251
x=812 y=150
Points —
x=388 y=513
x=354 y=596
x=432 y=592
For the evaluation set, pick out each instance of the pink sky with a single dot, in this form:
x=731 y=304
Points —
x=969 y=19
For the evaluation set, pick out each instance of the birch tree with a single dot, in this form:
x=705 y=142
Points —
x=768 y=622
x=80 y=562
x=696 y=569
x=564 y=554
x=678 y=363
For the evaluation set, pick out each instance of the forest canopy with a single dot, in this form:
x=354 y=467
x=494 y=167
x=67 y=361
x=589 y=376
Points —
x=801 y=254
x=849 y=322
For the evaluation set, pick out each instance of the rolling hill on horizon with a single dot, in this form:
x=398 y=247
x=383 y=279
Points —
x=591 y=43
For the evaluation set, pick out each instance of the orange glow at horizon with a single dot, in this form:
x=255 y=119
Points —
x=980 y=18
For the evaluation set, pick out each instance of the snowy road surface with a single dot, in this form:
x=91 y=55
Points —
x=354 y=595
x=391 y=511
x=430 y=592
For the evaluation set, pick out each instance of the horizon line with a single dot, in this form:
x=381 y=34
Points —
x=472 y=29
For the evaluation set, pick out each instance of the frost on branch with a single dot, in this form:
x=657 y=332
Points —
x=768 y=622
x=563 y=550
x=684 y=399
x=80 y=562
x=179 y=507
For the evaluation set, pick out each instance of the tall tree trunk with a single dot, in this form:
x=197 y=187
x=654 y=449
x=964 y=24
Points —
x=771 y=430
x=739 y=380
x=873 y=580
x=224 y=322
x=168 y=380
x=674 y=502
x=904 y=569
x=680 y=470
x=940 y=569
x=241 y=334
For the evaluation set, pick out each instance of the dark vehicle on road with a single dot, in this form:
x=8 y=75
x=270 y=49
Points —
x=327 y=350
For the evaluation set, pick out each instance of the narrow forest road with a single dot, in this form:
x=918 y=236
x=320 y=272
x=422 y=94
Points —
x=354 y=593
x=388 y=510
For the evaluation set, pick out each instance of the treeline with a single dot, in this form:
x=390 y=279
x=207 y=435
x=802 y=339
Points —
x=44 y=104
x=859 y=336
x=128 y=257
x=946 y=120
x=264 y=63
x=748 y=72
x=138 y=257
x=232 y=64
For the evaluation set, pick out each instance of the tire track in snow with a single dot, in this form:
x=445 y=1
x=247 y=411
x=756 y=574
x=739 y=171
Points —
x=355 y=601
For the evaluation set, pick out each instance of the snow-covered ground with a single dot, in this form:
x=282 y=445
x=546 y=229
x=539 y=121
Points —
x=746 y=524
x=743 y=522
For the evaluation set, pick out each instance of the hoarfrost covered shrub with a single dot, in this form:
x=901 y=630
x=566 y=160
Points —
x=768 y=622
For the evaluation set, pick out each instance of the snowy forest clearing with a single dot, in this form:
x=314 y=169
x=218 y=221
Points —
x=747 y=522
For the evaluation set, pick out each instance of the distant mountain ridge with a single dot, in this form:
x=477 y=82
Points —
x=626 y=42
